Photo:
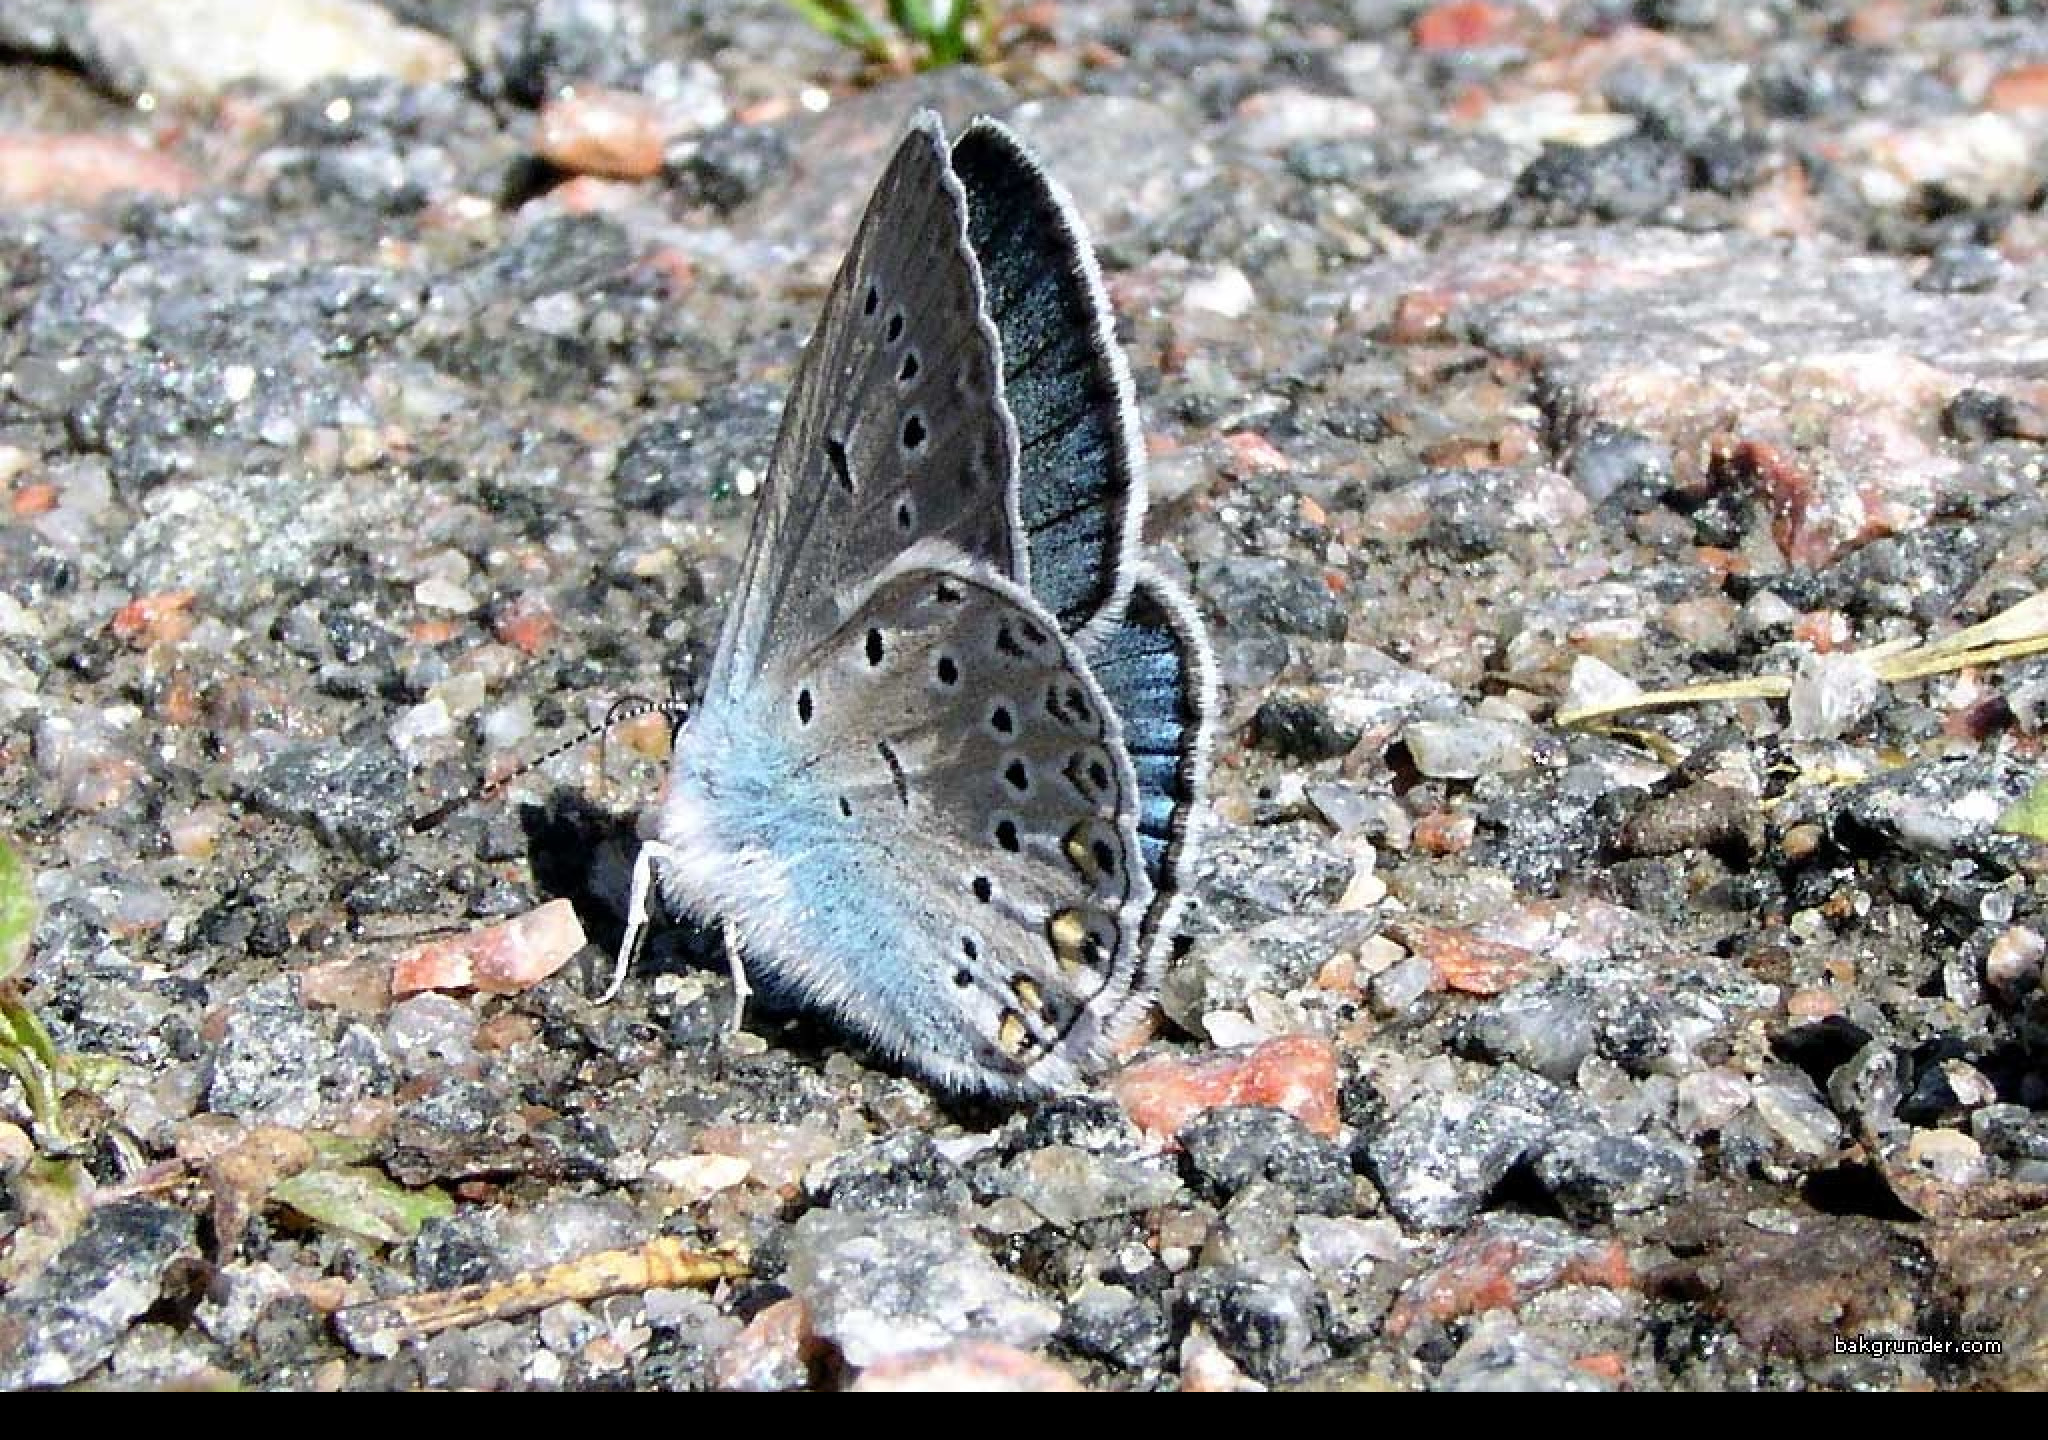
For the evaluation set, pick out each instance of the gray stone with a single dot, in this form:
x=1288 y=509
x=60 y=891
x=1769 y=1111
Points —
x=885 y=1285
x=65 y=1321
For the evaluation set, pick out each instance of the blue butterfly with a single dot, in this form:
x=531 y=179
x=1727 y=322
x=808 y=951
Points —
x=942 y=785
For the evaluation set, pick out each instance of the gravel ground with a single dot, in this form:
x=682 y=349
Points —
x=375 y=409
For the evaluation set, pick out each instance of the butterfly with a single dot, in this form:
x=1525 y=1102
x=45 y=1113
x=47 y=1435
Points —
x=943 y=782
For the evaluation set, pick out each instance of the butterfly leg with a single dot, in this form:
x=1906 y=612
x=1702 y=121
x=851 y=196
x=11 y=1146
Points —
x=636 y=912
x=741 y=990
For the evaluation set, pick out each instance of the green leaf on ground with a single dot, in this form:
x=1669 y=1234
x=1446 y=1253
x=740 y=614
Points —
x=2029 y=815
x=17 y=909
x=362 y=1202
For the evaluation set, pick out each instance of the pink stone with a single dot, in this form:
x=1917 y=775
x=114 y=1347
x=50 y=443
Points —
x=1468 y=962
x=85 y=169
x=774 y=1351
x=352 y=985
x=1489 y=1269
x=2024 y=87
x=601 y=132
x=971 y=1367
x=1461 y=25
x=1295 y=1073
x=498 y=959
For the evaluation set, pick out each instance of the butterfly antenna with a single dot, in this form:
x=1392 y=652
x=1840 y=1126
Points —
x=622 y=711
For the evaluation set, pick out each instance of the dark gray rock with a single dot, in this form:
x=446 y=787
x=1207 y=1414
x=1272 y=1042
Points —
x=1595 y=1175
x=1267 y=1315
x=63 y=1323
x=1441 y=1155
x=1228 y=1148
x=903 y=1173
x=1112 y=1324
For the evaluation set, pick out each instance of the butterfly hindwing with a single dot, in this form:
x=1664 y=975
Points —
x=1155 y=669
x=1081 y=491
x=895 y=432
x=971 y=770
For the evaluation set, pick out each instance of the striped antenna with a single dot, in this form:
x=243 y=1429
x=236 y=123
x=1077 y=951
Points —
x=622 y=711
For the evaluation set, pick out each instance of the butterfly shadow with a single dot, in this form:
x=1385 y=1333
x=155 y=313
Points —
x=583 y=853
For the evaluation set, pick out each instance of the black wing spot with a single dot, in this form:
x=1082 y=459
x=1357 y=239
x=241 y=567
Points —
x=1089 y=774
x=1019 y=776
x=1032 y=633
x=845 y=807
x=948 y=671
x=1006 y=641
x=1105 y=857
x=835 y=452
x=906 y=515
x=803 y=707
x=1003 y=720
x=895 y=330
x=968 y=948
x=874 y=300
x=913 y=432
x=908 y=372
x=962 y=978
x=896 y=775
x=947 y=594
x=983 y=890
x=874 y=647
x=1068 y=705
x=1006 y=836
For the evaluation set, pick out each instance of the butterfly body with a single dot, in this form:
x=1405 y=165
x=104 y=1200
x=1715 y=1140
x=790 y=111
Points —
x=941 y=783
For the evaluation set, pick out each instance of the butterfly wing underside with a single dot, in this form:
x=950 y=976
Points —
x=978 y=834
x=945 y=769
x=895 y=432
x=1081 y=486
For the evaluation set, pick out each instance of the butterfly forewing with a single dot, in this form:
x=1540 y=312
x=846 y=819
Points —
x=895 y=433
x=1081 y=490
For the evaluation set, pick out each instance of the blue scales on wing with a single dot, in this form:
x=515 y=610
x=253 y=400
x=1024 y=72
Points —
x=1154 y=669
x=1081 y=486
